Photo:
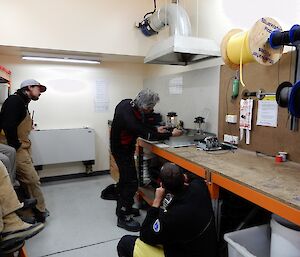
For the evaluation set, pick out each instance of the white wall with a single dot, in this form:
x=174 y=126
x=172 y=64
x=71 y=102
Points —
x=200 y=93
x=108 y=26
x=216 y=17
x=98 y=26
x=69 y=99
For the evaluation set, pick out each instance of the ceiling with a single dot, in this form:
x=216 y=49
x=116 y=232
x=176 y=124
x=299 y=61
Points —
x=21 y=51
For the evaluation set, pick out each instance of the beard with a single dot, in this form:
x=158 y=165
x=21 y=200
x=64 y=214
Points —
x=35 y=98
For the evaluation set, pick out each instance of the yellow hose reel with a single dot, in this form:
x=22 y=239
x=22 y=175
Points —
x=240 y=47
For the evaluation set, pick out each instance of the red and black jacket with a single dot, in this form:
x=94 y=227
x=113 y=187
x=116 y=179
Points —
x=129 y=124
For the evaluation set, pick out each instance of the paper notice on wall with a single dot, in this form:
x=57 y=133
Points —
x=176 y=86
x=267 y=113
x=101 y=98
x=246 y=107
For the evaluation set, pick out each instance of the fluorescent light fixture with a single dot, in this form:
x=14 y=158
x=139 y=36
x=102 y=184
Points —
x=58 y=59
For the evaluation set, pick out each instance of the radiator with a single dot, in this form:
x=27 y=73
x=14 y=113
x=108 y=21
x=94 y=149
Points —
x=54 y=146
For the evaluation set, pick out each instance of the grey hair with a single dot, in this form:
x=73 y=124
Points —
x=146 y=99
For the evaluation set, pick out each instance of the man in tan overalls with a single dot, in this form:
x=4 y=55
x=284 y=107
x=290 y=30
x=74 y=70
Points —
x=17 y=124
x=13 y=231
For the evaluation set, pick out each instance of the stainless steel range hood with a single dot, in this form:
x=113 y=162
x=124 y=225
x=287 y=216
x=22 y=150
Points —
x=180 y=48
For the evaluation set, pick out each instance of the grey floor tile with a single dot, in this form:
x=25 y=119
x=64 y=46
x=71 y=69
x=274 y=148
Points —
x=105 y=249
x=79 y=217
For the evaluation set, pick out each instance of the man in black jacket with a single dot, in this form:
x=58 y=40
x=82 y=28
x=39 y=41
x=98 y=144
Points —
x=129 y=124
x=17 y=124
x=184 y=227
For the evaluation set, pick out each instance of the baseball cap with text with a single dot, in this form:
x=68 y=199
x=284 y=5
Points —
x=32 y=82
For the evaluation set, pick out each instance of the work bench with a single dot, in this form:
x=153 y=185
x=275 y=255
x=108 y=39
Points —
x=256 y=178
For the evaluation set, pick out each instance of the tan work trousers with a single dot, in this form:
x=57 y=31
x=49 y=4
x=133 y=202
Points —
x=8 y=157
x=8 y=199
x=28 y=177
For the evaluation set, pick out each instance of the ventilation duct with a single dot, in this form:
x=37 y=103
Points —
x=180 y=48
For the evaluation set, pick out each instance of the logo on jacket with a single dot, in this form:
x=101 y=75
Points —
x=156 y=226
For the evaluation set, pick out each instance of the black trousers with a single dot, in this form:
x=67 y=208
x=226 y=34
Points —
x=126 y=245
x=128 y=181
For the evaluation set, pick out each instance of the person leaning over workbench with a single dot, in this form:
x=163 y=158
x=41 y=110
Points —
x=17 y=124
x=128 y=124
x=179 y=223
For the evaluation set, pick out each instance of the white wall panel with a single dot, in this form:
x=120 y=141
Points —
x=200 y=94
x=69 y=99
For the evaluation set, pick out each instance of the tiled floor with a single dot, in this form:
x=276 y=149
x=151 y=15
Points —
x=81 y=223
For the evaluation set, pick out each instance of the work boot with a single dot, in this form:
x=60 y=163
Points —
x=27 y=219
x=40 y=216
x=11 y=249
x=128 y=223
x=15 y=230
x=129 y=210
x=135 y=212
x=29 y=203
x=111 y=192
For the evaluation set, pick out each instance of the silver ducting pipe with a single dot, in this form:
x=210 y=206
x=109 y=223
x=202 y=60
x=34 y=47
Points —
x=173 y=15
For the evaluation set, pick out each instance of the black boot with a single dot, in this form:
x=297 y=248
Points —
x=135 y=212
x=111 y=192
x=11 y=238
x=28 y=219
x=128 y=223
x=29 y=203
x=11 y=248
x=41 y=216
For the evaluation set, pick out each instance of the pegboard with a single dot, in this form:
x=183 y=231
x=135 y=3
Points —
x=266 y=140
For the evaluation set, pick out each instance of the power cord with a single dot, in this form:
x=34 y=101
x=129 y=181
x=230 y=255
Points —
x=148 y=13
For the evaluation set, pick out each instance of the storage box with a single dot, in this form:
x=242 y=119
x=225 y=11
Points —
x=251 y=242
x=285 y=242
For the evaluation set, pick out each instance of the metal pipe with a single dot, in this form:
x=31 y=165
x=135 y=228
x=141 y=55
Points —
x=173 y=15
x=259 y=94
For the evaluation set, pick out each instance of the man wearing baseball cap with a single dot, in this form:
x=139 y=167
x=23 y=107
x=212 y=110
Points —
x=17 y=124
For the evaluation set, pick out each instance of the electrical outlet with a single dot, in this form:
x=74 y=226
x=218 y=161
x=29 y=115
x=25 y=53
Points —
x=231 y=118
x=231 y=139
